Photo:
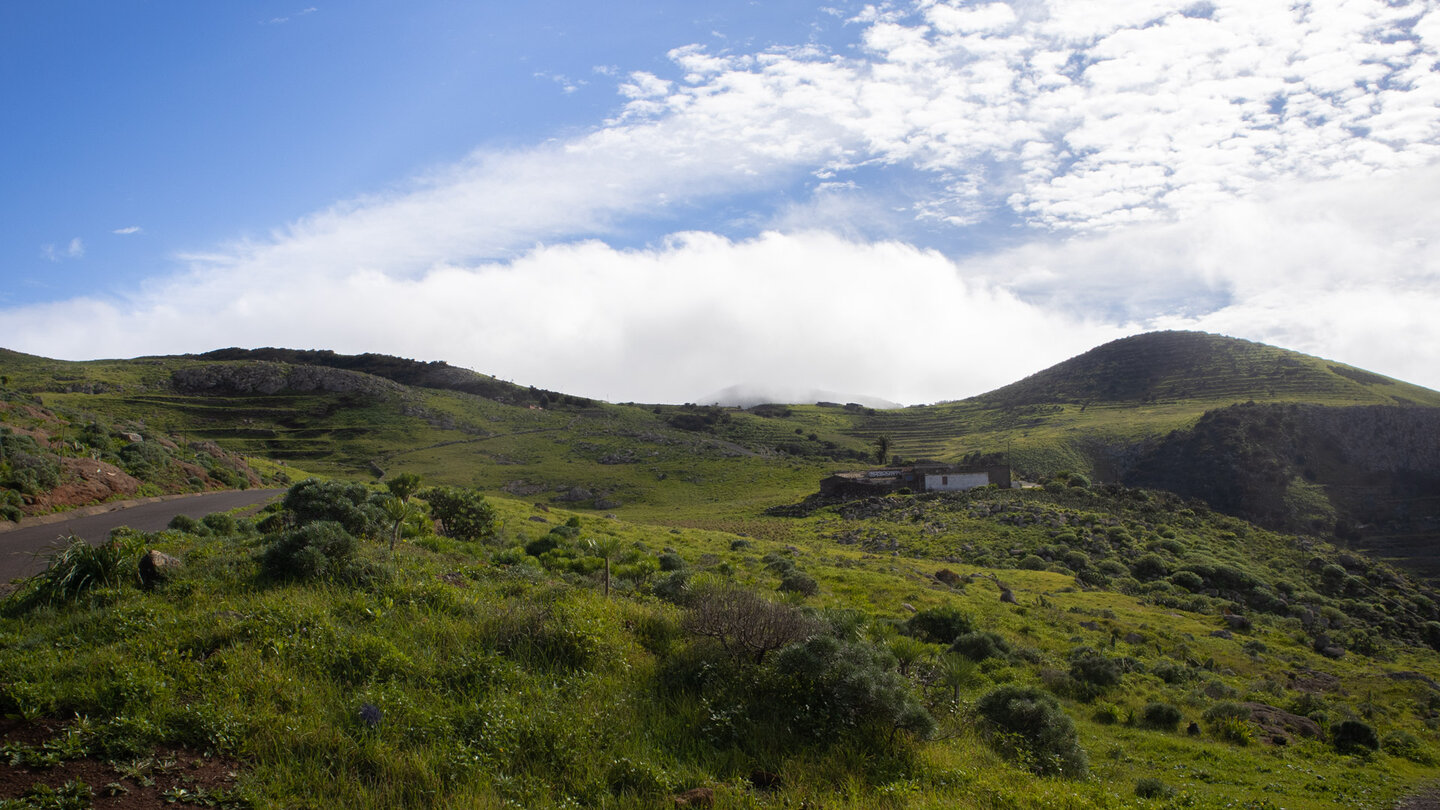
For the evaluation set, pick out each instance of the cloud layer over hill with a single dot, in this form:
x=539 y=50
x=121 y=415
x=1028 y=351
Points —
x=976 y=183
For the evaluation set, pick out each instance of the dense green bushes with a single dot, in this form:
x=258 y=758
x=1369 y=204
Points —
x=1028 y=725
x=321 y=549
x=463 y=513
x=354 y=506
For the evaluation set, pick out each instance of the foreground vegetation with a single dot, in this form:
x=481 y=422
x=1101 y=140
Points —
x=1070 y=646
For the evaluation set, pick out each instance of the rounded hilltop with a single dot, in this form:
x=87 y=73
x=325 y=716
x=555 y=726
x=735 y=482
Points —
x=1173 y=366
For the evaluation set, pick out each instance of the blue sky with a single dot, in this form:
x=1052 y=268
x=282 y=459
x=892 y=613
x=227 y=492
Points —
x=646 y=201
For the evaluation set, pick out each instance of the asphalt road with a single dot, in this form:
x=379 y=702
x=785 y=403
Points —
x=19 y=547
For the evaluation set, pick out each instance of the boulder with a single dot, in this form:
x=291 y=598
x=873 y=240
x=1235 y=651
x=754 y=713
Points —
x=156 y=567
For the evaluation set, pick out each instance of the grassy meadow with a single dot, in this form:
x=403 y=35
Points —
x=459 y=673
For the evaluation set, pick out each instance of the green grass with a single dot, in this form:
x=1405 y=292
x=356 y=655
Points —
x=503 y=681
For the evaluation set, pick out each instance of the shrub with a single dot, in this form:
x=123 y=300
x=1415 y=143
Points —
x=939 y=625
x=11 y=503
x=1149 y=567
x=185 y=523
x=1108 y=714
x=143 y=459
x=671 y=561
x=1089 y=666
x=1230 y=722
x=980 y=645
x=1027 y=724
x=1160 y=716
x=823 y=688
x=746 y=624
x=1148 y=787
x=799 y=582
x=1171 y=672
x=318 y=550
x=1031 y=562
x=349 y=505
x=464 y=512
x=1405 y=745
x=1189 y=580
x=219 y=523
x=1354 y=737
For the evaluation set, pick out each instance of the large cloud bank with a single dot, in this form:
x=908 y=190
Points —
x=1251 y=167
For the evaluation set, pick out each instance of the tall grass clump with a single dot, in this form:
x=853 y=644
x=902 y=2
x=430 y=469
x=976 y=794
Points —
x=77 y=568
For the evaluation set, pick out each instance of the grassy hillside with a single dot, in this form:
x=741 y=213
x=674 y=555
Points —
x=1102 y=414
x=498 y=673
x=1083 y=413
x=1073 y=645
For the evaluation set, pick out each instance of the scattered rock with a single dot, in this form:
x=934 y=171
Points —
x=1280 y=725
x=156 y=567
x=575 y=494
x=948 y=577
x=538 y=519
x=1237 y=623
x=1221 y=633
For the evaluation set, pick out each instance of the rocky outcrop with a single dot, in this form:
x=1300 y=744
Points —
x=273 y=378
x=1279 y=727
x=83 y=481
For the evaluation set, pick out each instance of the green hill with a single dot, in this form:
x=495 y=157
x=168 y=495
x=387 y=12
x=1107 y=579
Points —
x=1160 y=367
x=652 y=608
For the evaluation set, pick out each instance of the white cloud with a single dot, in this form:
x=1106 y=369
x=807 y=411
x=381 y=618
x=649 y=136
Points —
x=127 y=230
x=1246 y=166
x=74 y=250
x=666 y=324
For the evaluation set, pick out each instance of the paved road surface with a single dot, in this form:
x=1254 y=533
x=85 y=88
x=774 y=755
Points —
x=19 y=546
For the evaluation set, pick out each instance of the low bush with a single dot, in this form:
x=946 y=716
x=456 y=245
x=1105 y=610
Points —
x=464 y=513
x=317 y=550
x=1028 y=725
x=799 y=582
x=980 y=645
x=1405 y=745
x=1354 y=737
x=1230 y=722
x=1148 y=787
x=1160 y=716
x=349 y=505
x=185 y=523
x=940 y=625
x=824 y=688
x=1090 y=667
x=219 y=523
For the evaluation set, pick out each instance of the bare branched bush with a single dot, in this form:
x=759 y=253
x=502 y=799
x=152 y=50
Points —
x=747 y=624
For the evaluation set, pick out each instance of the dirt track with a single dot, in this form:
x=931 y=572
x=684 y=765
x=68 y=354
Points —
x=20 y=545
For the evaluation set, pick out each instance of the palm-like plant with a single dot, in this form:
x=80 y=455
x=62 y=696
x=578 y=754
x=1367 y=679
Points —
x=954 y=672
x=605 y=547
x=398 y=510
x=907 y=650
